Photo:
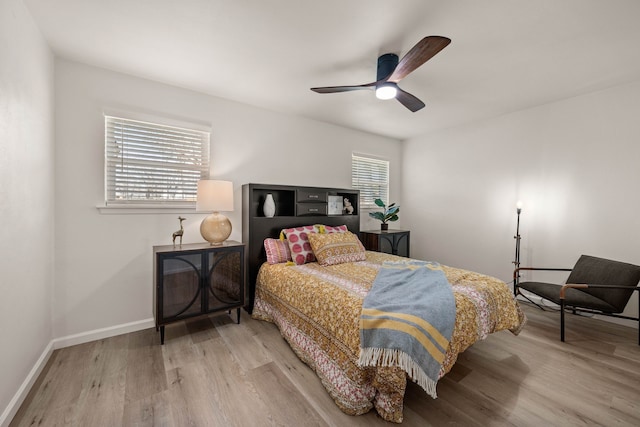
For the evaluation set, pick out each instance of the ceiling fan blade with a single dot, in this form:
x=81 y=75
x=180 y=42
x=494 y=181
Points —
x=409 y=101
x=334 y=89
x=424 y=50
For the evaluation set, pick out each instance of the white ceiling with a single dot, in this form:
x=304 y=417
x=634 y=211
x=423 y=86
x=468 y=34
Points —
x=505 y=55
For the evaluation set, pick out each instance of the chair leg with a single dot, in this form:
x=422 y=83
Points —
x=562 y=320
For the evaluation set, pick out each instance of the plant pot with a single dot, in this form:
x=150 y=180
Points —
x=384 y=227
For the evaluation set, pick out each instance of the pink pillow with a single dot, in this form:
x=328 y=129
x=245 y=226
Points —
x=299 y=245
x=338 y=229
x=277 y=251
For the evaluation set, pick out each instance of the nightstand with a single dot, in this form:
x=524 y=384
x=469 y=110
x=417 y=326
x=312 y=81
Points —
x=394 y=242
x=197 y=279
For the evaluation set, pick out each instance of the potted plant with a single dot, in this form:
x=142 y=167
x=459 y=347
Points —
x=390 y=213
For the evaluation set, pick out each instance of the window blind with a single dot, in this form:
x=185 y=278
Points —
x=371 y=177
x=153 y=163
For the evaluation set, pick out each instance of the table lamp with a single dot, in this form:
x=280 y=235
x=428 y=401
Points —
x=215 y=196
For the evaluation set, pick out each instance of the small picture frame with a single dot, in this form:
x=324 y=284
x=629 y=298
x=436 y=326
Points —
x=335 y=205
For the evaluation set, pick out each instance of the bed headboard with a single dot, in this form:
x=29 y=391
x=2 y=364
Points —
x=295 y=206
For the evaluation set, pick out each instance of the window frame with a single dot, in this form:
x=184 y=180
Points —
x=368 y=190
x=175 y=161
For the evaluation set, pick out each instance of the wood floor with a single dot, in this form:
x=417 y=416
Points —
x=213 y=372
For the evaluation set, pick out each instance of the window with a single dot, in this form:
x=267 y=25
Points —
x=371 y=177
x=148 y=163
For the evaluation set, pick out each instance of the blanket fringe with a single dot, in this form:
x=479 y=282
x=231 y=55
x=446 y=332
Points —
x=396 y=358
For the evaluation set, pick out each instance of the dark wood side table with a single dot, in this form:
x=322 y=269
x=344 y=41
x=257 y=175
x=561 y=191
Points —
x=394 y=242
x=196 y=279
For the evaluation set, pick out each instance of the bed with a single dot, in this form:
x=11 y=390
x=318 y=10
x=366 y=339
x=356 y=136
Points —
x=318 y=308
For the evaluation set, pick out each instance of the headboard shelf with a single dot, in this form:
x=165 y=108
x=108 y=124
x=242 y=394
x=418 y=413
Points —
x=295 y=206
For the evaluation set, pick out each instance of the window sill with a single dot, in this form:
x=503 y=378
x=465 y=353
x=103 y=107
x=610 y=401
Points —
x=145 y=209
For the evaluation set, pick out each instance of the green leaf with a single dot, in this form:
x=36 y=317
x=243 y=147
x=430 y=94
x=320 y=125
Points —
x=377 y=215
x=393 y=218
x=379 y=202
x=393 y=210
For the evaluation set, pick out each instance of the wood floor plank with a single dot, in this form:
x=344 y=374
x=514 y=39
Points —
x=279 y=393
x=101 y=403
x=201 y=329
x=239 y=338
x=213 y=372
x=108 y=357
x=60 y=388
x=150 y=411
x=178 y=349
x=192 y=402
x=444 y=412
x=144 y=366
x=231 y=385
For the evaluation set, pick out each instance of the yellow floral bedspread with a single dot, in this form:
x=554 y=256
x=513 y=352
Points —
x=317 y=310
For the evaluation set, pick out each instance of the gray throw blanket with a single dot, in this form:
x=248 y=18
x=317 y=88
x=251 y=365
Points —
x=407 y=320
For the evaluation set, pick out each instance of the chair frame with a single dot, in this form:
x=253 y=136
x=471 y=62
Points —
x=563 y=289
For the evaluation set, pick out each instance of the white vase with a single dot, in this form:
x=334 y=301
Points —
x=269 y=207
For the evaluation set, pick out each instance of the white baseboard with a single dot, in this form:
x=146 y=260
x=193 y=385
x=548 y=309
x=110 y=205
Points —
x=99 y=334
x=81 y=338
x=21 y=394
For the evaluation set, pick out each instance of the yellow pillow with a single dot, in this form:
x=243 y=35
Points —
x=336 y=248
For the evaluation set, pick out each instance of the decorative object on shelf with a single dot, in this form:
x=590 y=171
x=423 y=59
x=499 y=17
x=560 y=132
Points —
x=387 y=215
x=269 y=207
x=516 y=261
x=348 y=208
x=179 y=233
x=215 y=196
x=335 y=205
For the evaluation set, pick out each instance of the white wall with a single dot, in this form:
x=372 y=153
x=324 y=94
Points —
x=575 y=164
x=104 y=262
x=26 y=199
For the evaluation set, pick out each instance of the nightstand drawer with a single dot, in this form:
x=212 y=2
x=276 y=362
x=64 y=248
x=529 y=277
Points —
x=303 y=209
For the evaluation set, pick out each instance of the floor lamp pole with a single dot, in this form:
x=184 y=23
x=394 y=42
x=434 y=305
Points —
x=516 y=262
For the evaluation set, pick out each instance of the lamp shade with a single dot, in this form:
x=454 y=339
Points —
x=214 y=196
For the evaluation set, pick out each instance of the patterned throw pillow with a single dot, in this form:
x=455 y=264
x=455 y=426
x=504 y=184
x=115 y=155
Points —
x=277 y=251
x=299 y=245
x=337 y=248
x=337 y=229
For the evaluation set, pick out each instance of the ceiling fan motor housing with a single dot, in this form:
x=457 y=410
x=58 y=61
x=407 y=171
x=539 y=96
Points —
x=386 y=64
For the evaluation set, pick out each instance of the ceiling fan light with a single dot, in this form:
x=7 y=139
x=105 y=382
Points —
x=386 y=92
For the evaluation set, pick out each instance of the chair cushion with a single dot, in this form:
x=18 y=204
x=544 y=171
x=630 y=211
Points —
x=599 y=271
x=573 y=297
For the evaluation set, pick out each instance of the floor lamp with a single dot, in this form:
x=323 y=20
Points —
x=516 y=262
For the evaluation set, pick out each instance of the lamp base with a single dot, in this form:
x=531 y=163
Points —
x=215 y=228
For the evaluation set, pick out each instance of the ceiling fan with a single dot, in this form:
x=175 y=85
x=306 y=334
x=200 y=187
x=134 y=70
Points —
x=390 y=72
